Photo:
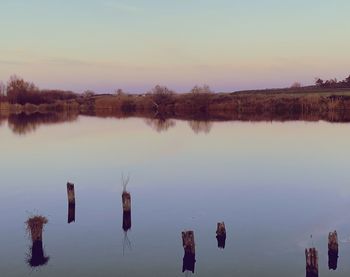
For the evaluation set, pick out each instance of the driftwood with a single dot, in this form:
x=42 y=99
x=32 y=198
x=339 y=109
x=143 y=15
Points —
x=333 y=249
x=221 y=234
x=188 y=244
x=311 y=262
x=70 y=193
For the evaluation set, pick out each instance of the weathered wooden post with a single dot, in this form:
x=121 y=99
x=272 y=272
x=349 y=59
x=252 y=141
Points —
x=311 y=262
x=71 y=202
x=126 y=199
x=70 y=193
x=189 y=246
x=35 y=226
x=333 y=249
x=221 y=234
x=126 y=203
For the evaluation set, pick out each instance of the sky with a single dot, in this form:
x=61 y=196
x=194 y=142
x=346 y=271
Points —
x=230 y=45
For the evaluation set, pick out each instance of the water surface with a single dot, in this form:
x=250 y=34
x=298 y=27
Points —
x=279 y=187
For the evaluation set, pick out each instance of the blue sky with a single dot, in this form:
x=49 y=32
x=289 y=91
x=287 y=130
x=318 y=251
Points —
x=107 y=44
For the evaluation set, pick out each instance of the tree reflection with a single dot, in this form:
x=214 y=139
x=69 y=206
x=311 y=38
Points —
x=23 y=123
x=199 y=126
x=160 y=124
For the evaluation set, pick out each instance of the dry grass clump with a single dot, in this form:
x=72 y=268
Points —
x=35 y=226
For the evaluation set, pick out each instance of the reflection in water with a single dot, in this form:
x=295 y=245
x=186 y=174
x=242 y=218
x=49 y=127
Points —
x=332 y=260
x=71 y=213
x=126 y=221
x=200 y=126
x=311 y=262
x=189 y=262
x=160 y=124
x=189 y=258
x=221 y=235
x=23 y=123
x=126 y=203
x=35 y=226
x=333 y=250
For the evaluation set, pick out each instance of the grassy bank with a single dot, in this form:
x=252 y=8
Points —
x=284 y=104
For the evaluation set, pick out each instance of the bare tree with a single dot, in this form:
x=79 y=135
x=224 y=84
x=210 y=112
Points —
x=319 y=82
x=2 y=90
x=88 y=93
x=161 y=95
x=201 y=89
x=18 y=90
x=119 y=92
x=296 y=85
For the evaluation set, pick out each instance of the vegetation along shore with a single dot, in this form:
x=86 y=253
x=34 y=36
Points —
x=326 y=100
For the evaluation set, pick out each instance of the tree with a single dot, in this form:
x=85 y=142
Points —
x=347 y=80
x=161 y=95
x=88 y=93
x=319 y=82
x=296 y=85
x=20 y=91
x=201 y=89
x=119 y=92
x=2 y=89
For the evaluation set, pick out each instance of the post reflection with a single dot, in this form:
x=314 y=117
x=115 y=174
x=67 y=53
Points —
x=126 y=204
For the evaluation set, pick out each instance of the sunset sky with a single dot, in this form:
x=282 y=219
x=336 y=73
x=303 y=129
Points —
x=228 y=44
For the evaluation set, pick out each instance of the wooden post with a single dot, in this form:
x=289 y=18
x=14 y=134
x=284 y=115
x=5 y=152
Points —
x=333 y=249
x=221 y=234
x=311 y=262
x=35 y=226
x=188 y=242
x=126 y=199
x=70 y=193
x=189 y=258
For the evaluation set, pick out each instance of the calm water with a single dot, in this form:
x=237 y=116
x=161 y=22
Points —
x=274 y=184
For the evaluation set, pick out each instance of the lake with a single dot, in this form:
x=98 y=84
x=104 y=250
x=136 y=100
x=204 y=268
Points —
x=280 y=187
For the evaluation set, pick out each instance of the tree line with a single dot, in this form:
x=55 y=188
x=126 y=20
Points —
x=19 y=91
x=333 y=83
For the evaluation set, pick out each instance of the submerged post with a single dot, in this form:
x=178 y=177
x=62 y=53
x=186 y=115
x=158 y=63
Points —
x=221 y=234
x=189 y=258
x=35 y=226
x=311 y=262
x=333 y=249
